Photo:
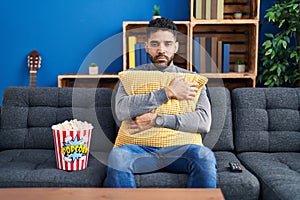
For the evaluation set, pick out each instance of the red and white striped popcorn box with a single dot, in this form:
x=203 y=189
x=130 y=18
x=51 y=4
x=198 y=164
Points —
x=72 y=148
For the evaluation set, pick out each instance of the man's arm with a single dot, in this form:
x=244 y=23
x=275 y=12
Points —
x=197 y=121
x=129 y=107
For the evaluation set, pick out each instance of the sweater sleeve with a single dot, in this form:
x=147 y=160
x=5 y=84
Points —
x=197 y=121
x=128 y=107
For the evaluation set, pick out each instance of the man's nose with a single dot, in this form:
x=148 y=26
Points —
x=162 y=48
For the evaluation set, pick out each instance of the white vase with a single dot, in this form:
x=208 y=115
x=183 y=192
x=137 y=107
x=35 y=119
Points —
x=238 y=15
x=239 y=68
x=156 y=16
x=93 y=70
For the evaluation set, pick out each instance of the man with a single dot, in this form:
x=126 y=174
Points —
x=197 y=161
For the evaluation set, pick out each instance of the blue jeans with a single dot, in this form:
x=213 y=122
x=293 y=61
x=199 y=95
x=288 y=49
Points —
x=198 y=162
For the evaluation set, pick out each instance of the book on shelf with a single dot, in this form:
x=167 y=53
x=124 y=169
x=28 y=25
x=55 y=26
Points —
x=198 y=9
x=220 y=9
x=213 y=9
x=207 y=55
x=202 y=55
x=214 y=55
x=144 y=55
x=203 y=9
x=137 y=53
x=196 y=51
x=209 y=9
x=137 y=48
x=141 y=56
x=226 y=57
x=220 y=57
x=131 y=51
x=208 y=60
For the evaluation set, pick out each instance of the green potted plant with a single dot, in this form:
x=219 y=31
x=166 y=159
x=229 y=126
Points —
x=156 y=13
x=280 y=53
x=237 y=14
x=93 y=69
x=239 y=66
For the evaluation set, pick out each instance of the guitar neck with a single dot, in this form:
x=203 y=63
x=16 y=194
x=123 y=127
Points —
x=32 y=78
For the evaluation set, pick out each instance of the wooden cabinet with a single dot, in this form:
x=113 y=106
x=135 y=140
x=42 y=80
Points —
x=240 y=34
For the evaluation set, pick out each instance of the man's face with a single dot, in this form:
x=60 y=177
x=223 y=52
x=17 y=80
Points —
x=161 y=47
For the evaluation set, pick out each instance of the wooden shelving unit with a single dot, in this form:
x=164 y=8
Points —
x=241 y=34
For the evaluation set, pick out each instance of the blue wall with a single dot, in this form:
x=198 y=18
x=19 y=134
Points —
x=66 y=31
x=265 y=27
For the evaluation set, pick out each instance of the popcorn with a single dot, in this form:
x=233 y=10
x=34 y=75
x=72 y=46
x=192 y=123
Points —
x=71 y=142
x=73 y=125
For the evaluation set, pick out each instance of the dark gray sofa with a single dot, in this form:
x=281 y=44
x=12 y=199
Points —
x=258 y=127
x=267 y=138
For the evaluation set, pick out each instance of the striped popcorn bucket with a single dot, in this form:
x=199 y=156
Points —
x=72 y=148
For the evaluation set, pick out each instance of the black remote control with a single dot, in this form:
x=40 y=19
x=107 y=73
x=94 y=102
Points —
x=235 y=167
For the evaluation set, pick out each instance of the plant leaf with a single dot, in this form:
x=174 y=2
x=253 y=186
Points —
x=269 y=35
x=268 y=82
x=267 y=44
x=284 y=44
x=273 y=68
x=269 y=52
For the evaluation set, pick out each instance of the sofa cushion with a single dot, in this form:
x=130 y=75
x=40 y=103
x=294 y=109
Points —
x=266 y=119
x=278 y=173
x=37 y=168
x=28 y=114
x=235 y=185
x=242 y=186
x=220 y=136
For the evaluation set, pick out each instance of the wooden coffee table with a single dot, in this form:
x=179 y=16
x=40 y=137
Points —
x=110 y=194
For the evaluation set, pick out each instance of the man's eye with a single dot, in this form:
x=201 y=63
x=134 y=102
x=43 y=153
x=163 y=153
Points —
x=169 y=43
x=154 y=44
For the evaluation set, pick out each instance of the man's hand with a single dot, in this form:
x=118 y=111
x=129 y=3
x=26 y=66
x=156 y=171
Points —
x=181 y=90
x=142 y=122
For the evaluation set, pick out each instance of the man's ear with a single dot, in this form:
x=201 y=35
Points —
x=147 y=47
x=176 y=47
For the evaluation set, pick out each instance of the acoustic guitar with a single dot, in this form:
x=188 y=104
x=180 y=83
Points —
x=34 y=63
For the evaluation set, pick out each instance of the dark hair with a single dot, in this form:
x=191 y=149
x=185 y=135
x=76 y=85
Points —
x=162 y=23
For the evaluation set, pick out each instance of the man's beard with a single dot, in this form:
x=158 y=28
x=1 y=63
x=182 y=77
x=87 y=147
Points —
x=159 y=64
